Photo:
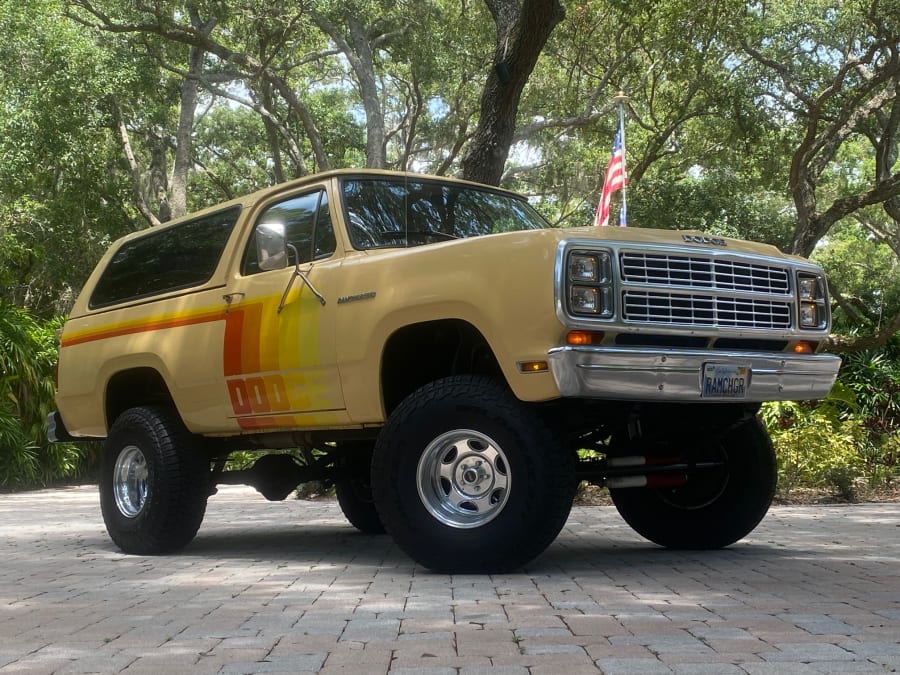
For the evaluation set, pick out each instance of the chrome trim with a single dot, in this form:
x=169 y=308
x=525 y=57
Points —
x=655 y=306
x=642 y=373
x=782 y=300
x=701 y=271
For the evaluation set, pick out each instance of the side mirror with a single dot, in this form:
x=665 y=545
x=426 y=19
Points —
x=271 y=248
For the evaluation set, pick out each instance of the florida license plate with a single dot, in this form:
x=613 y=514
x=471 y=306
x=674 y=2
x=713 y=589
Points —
x=724 y=380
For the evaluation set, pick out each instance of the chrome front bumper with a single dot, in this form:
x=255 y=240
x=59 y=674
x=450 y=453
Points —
x=646 y=373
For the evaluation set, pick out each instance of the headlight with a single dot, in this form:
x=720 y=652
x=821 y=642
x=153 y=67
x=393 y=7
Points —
x=591 y=300
x=809 y=317
x=582 y=267
x=812 y=307
x=585 y=300
x=809 y=287
x=589 y=283
x=589 y=267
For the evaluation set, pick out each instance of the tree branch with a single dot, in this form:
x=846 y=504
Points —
x=249 y=65
x=843 y=207
x=139 y=200
x=846 y=344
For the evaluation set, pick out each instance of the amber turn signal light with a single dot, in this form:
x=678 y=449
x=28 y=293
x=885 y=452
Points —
x=584 y=337
x=804 y=348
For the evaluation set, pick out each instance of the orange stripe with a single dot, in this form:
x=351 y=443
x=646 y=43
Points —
x=250 y=338
x=266 y=422
x=160 y=324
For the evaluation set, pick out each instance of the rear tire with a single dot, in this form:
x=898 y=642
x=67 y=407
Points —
x=354 y=496
x=714 y=508
x=466 y=480
x=154 y=483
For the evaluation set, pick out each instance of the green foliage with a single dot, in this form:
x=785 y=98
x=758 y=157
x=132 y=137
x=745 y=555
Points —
x=874 y=375
x=27 y=359
x=18 y=456
x=231 y=148
x=712 y=134
x=864 y=273
x=59 y=188
x=816 y=446
x=341 y=134
x=715 y=201
x=852 y=436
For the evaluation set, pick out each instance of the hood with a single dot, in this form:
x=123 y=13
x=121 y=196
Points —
x=690 y=238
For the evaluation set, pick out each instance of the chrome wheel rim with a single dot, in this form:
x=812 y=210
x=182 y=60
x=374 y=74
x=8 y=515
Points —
x=463 y=479
x=130 y=481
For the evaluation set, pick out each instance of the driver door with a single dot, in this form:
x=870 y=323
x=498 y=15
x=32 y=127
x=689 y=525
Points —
x=279 y=358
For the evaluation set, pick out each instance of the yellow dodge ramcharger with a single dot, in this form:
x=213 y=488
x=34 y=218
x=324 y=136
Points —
x=445 y=358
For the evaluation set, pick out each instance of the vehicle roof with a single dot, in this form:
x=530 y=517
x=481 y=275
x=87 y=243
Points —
x=253 y=197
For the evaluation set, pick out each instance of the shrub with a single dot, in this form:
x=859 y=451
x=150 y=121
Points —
x=817 y=446
x=874 y=376
x=27 y=357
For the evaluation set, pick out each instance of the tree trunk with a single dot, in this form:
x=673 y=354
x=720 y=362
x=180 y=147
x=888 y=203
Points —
x=272 y=135
x=190 y=94
x=808 y=228
x=522 y=32
x=364 y=67
x=136 y=187
x=159 y=175
x=360 y=56
x=183 y=162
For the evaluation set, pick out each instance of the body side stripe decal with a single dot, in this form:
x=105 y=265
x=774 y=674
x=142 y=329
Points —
x=154 y=324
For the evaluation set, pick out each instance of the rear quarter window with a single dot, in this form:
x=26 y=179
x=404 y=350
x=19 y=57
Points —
x=170 y=259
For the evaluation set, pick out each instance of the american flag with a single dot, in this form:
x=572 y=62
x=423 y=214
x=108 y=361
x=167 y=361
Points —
x=615 y=180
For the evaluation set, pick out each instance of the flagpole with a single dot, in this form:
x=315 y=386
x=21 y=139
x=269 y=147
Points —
x=620 y=101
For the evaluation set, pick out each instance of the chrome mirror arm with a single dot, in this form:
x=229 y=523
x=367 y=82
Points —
x=306 y=280
x=298 y=273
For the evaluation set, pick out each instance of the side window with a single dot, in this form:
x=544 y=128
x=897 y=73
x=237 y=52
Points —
x=307 y=226
x=168 y=259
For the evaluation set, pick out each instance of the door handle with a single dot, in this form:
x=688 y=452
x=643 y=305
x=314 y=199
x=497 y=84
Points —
x=230 y=298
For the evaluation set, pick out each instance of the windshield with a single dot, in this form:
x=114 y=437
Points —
x=398 y=212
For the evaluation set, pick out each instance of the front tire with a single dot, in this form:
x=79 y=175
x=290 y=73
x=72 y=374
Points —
x=467 y=480
x=714 y=508
x=153 y=483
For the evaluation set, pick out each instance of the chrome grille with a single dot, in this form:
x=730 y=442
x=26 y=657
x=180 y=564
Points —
x=697 y=309
x=713 y=273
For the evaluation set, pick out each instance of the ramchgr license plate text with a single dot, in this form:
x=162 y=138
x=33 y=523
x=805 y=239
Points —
x=724 y=380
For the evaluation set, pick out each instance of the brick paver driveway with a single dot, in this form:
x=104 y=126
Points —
x=290 y=587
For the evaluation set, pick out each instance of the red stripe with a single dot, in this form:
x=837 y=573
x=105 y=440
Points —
x=234 y=328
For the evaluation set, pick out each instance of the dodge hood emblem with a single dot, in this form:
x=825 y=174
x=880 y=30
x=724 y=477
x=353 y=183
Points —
x=698 y=239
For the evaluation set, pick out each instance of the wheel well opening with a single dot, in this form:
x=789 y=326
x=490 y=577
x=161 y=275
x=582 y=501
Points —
x=421 y=353
x=135 y=387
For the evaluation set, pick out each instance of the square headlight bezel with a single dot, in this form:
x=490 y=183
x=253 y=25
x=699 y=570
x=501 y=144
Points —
x=811 y=301
x=590 y=271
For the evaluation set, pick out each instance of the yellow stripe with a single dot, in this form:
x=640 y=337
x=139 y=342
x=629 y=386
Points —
x=159 y=322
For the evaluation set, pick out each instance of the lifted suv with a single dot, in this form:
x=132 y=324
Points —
x=441 y=355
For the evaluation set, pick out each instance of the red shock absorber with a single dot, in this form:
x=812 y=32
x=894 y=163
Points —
x=651 y=480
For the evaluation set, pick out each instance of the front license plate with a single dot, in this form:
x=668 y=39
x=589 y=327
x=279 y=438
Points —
x=724 y=380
